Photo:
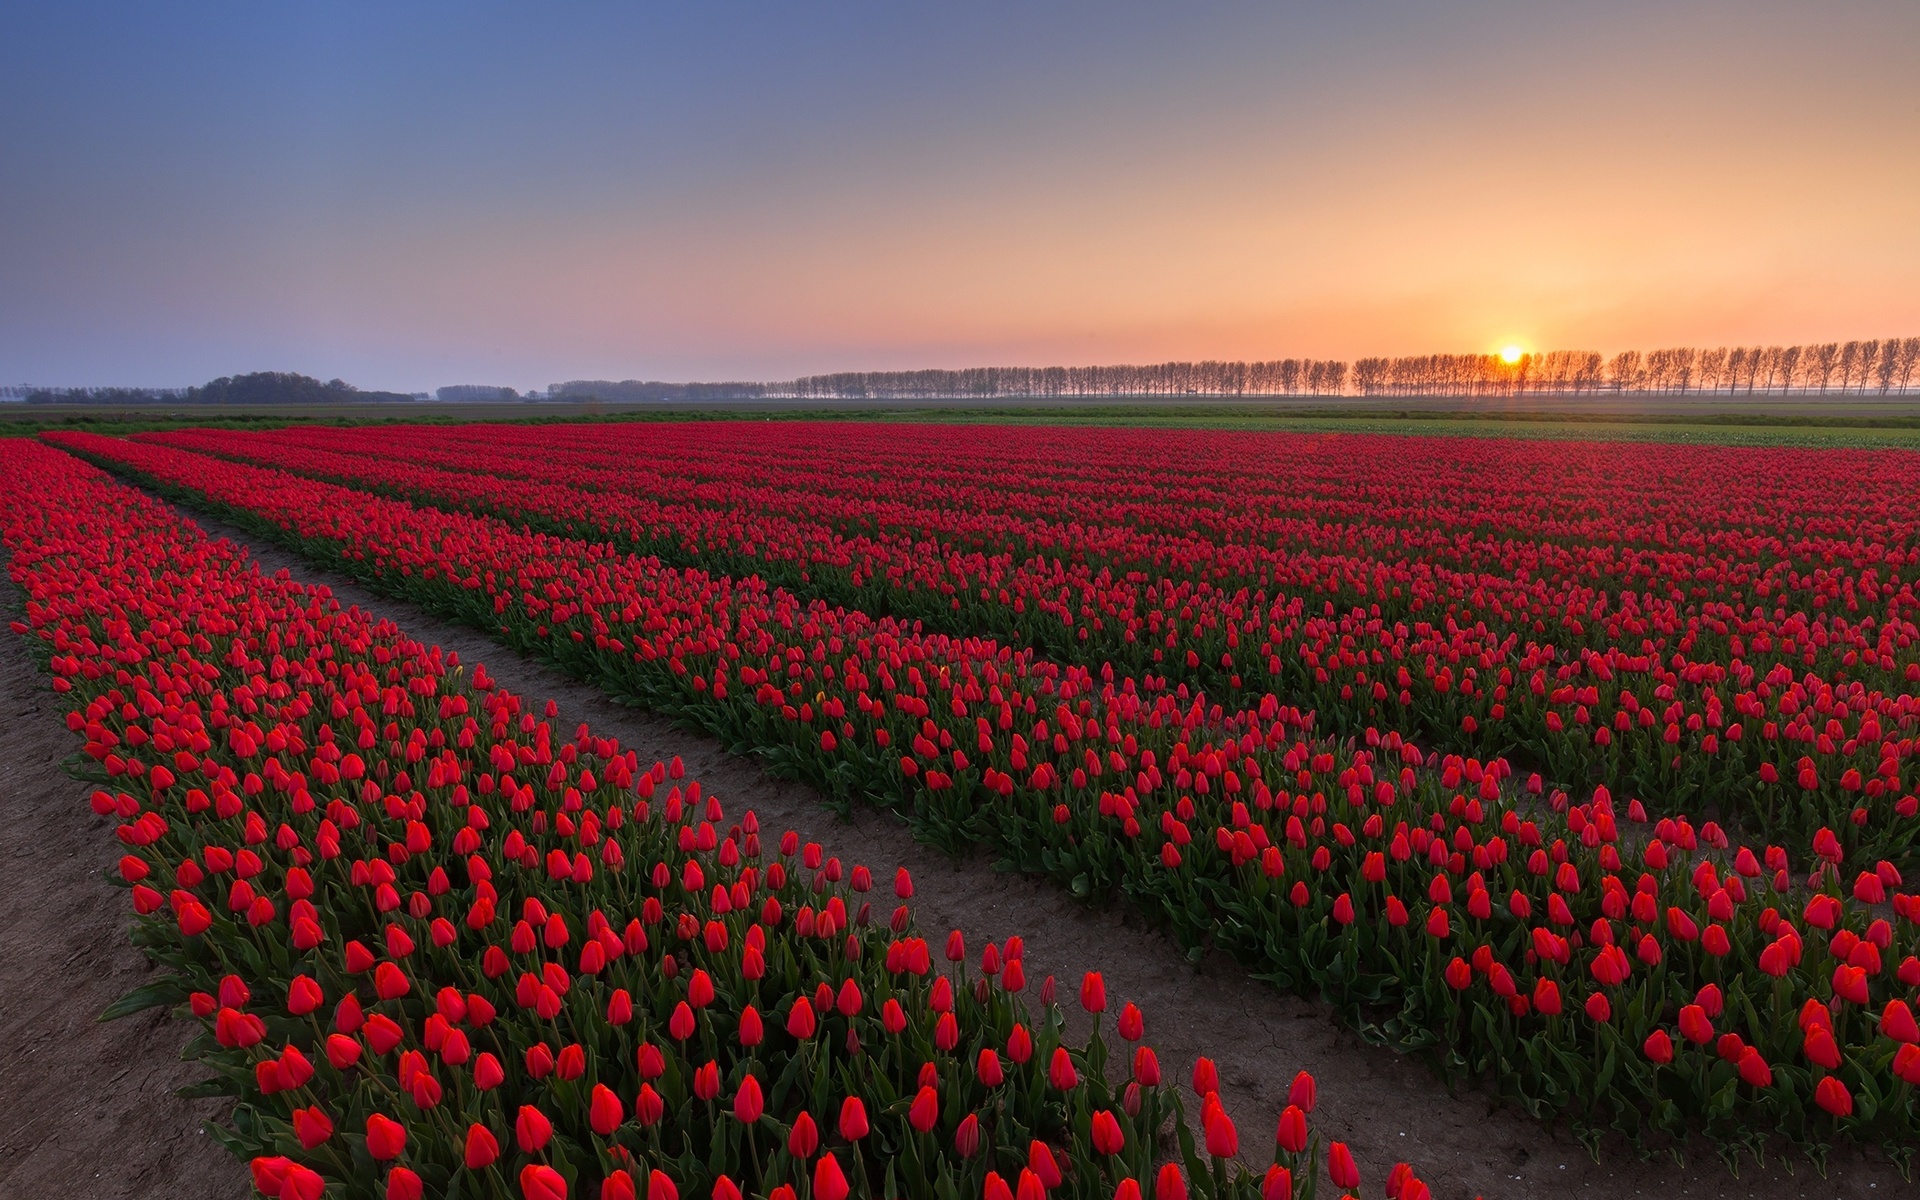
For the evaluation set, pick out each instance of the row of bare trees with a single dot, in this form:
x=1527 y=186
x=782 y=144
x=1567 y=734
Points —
x=1479 y=374
x=1866 y=367
x=1280 y=377
x=1856 y=368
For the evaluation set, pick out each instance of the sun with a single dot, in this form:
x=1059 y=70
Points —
x=1511 y=354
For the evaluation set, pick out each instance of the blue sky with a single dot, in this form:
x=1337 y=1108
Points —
x=409 y=195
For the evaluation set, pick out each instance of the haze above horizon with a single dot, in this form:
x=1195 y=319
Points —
x=492 y=194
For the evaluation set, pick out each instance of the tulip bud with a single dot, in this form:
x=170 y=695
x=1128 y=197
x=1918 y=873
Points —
x=966 y=1138
x=618 y=1185
x=531 y=1129
x=925 y=1110
x=482 y=1148
x=1170 y=1184
x=1093 y=992
x=386 y=1138
x=829 y=1181
x=804 y=1138
x=1340 y=1166
x=853 y=1119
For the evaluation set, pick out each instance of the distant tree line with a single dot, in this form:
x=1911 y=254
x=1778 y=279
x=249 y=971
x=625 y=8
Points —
x=637 y=391
x=102 y=395
x=1857 y=368
x=260 y=387
x=1479 y=374
x=1280 y=377
x=470 y=392
x=1853 y=368
x=1865 y=367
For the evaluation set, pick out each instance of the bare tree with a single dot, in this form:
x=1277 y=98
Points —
x=1711 y=368
x=1869 y=359
x=1821 y=361
x=1624 y=371
x=1738 y=368
x=1790 y=365
x=1370 y=375
x=1908 y=361
x=1888 y=365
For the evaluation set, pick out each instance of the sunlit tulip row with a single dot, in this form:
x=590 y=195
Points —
x=1570 y=954
x=1696 y=626
x=439 y=949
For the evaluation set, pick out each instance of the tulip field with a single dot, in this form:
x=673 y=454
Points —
x=438 y=950
x=1580 y=773
x=1711 y=629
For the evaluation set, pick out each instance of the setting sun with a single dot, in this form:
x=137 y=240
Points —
x=1511 y=354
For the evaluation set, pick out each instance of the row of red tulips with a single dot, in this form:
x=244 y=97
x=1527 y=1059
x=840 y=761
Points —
x=1516 y=938
x=1690 y=655
x=438 y=950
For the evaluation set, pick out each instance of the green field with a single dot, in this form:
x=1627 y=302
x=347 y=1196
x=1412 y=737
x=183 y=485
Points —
x=1899 y=426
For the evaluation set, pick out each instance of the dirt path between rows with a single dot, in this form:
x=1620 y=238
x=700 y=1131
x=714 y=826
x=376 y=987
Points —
x=1385 y=1107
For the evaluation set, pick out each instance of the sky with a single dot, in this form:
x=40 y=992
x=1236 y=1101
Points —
x=408 y=195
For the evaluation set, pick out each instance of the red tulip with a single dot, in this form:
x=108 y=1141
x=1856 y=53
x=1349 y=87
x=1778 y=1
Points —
x=853 y=1119
x=1093 y=992
x=1292 y=1134
x=804 y=1138
x=386 y=1138
x=302 y=1183
x=800 y=1020
x=312 y=1126
x=829 y=1182
x=747 y=1102
x=1040 y=1162
x=618 y=1185
x=270 y=1173
x=1659 y=1047
x=1223 y=1140
x=966 y=1138
x=680 y=1024
x=1833 y=1096
x=1897 y=1022
x=1277 y=1184
x=604 y=1111
x=403 y=1184
x=1340 y=1166
x=1170 y=1184
x=539 y=1182
x=1695 y=1026
x=1060 y=1072
x=304 y=996
x=482 y=1148
x=925 y=1110
x=1146 y=1066
x=531 y=1129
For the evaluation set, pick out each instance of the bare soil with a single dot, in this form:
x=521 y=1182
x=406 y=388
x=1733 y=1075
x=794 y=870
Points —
x=1385 y=1107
